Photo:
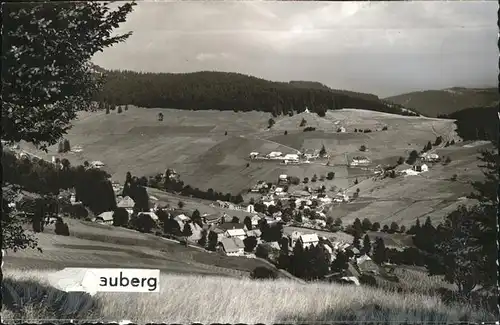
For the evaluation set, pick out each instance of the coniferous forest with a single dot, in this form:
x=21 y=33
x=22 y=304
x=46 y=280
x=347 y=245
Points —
x=230 y=91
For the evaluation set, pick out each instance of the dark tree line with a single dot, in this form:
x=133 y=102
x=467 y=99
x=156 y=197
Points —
x=92 y=186
x=178 y=187
x=477 y=123
x=228 y=91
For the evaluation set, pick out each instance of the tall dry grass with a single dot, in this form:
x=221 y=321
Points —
x=188 y=299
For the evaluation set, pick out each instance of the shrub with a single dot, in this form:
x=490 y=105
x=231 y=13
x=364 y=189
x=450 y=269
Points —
x=330 y=175
x=119 y=111
x=303 y=122
x=262 y=251
x=286 y=132
x=262 y=272
x=447 y=160
x=454 y=177
x=362 y=148
x=368 y=280
x=120 y=217
x=309 y=129
x=384 y=128
x=306 y=180
x=61 y=228
x=401 y=160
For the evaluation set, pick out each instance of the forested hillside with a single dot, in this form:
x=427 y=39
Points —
x=228 y=91
x=477 y=123
x=434 y=103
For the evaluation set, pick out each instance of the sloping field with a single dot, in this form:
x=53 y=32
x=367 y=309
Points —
x=403 y=135
x=192 y=299
x=404 y=199
x=98 y=245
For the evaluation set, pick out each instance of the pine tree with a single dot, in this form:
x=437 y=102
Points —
x=367 y=246
x=379 y=254
x=356 y=240
x=66 y=145
x=322 y=152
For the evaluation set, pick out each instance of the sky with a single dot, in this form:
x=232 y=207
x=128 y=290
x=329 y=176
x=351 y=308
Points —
x=383 y=48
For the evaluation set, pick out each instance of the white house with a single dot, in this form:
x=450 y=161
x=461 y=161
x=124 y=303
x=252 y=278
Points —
x=250 y=208
x=359 y=161
x=255 y=220
x=420 y=168
x=105 y=217
x=238 y=233
x=254 y=233
x=308 y=240
x=291 y=157
x=97 y=164
x=274 y=154
x=232 y=246
x=182 y=219
x=431 y=157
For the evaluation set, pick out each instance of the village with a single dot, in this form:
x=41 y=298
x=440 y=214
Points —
x=284 y=208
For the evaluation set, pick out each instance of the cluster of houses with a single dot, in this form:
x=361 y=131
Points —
x=289 y=158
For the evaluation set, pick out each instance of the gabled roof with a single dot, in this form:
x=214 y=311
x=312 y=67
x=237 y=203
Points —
x=232 y=245
x=254 y=232
x=106 y=216
x=126 y=202
x=236 y=232
x=309 y=238
x=231 y=225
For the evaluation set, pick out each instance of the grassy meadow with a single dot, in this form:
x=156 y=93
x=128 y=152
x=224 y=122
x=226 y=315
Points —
x=210 y=299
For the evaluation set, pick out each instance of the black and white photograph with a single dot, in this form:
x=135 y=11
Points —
x=250 y=162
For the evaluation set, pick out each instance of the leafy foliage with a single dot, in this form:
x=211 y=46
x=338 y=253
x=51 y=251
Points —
x=47 y=75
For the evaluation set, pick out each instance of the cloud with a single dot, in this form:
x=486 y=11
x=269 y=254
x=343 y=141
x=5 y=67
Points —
x=380 y=47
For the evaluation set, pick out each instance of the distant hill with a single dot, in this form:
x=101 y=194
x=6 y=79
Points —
x=208 y=90
x=443 y=102
x=319 y=85
x=477 y=123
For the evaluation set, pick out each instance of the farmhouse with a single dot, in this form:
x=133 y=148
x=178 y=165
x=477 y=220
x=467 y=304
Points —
x=231 y=225
x=291 y=157
x=366 y=265
x=127 y=203
x=232 y=246
x=419 y=167
x=359 y=160
x=255 y=220
x=181 y=219
x=308 y=240
x=250 y=208
x=283 y=179
x=105 y=217
x=274 y=155
x=430 y=157
x=254 y=233
x=97 y=164
x=238 y=233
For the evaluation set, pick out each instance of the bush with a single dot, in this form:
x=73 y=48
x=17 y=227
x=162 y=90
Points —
x=368 y=280
x=61 y=228
x=309 y=129
x=454 y=177
x=262 y=251
x=303 y=122
x=120 y=217
x=286 y=132
x=262 y=272
x=362 y=148
x=330 y=175
x=384 y=128
x=119 y=111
